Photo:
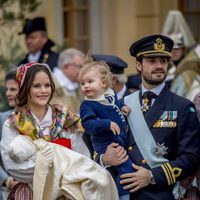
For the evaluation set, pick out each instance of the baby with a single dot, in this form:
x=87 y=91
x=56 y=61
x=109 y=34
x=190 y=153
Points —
x=60 y=171
x=102 y=114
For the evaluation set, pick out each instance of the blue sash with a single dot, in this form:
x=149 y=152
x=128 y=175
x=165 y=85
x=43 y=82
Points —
x=141 y=132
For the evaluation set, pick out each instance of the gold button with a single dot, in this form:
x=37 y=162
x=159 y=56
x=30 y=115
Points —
x=130 y=148
x=144 y=162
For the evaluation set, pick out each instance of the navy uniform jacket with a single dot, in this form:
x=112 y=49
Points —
x=182 y=142
x=47 y=56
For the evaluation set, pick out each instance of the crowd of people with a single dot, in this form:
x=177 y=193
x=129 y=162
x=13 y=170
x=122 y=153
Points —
x=78 y=128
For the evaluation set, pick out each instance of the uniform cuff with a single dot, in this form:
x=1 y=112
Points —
x=102 y=163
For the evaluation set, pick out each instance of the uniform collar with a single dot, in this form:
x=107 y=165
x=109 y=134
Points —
x=155 y=90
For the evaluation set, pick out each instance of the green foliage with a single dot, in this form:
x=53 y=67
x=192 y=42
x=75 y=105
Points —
x=12 y=16
x=14 y=12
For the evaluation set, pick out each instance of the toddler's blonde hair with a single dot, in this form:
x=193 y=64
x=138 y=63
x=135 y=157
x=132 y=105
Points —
x=100 y=66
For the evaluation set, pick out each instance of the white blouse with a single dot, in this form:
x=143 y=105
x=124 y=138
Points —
x=23 y=172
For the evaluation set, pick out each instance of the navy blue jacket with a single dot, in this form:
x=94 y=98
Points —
x=96 y=119
x=182 y=142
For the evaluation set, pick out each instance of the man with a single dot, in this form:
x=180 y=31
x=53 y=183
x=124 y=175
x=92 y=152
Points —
x=38 y=44
x=68 y=91
x=66 y=79
x=117 y=66
x=164 y=134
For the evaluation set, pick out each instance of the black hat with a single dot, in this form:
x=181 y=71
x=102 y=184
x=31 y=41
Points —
x=152 y=45
x=36 y=24
x=115 y=63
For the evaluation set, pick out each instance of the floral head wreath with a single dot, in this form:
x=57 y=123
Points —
x=22 y=69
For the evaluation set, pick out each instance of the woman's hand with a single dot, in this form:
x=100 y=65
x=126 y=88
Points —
x=136 y=180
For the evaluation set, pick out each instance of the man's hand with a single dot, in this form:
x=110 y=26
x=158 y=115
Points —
x=114 y=128
x=136 y=180
x=115 y=155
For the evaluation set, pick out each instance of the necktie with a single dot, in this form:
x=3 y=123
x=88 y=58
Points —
x=147 y=100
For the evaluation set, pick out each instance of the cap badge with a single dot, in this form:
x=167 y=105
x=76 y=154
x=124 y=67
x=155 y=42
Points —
x=159 y=45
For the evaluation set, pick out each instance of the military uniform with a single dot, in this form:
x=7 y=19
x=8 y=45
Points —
x=179 y=134
x=171 y=123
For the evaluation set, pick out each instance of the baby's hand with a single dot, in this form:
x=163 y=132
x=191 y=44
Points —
x=10 y=183
x=126 y=110
x=114 y=128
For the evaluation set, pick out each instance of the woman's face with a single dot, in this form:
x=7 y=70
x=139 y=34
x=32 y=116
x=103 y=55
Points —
x=40 y=90
x=11 y=91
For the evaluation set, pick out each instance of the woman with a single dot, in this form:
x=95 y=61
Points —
x=11 y=92
x=37 y=118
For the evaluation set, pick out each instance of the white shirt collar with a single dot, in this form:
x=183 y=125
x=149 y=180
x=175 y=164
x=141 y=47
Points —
x=155 y=90
x=34 y=57
x=64 y=81
x=120 y=94
x=107 y=98
x=46 y=122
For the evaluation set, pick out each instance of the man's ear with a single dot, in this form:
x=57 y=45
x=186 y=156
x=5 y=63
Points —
x=138 y=66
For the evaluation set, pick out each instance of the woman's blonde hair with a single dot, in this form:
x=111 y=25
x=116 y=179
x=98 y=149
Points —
x=100 y=66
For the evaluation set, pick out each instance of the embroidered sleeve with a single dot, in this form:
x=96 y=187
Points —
x=73 y=123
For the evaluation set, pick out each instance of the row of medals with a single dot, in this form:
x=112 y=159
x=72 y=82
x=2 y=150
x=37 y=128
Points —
x=159 y=123
x=165 y=124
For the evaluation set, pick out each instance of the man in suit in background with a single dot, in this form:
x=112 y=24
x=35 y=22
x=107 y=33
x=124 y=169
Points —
x=38 y=43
